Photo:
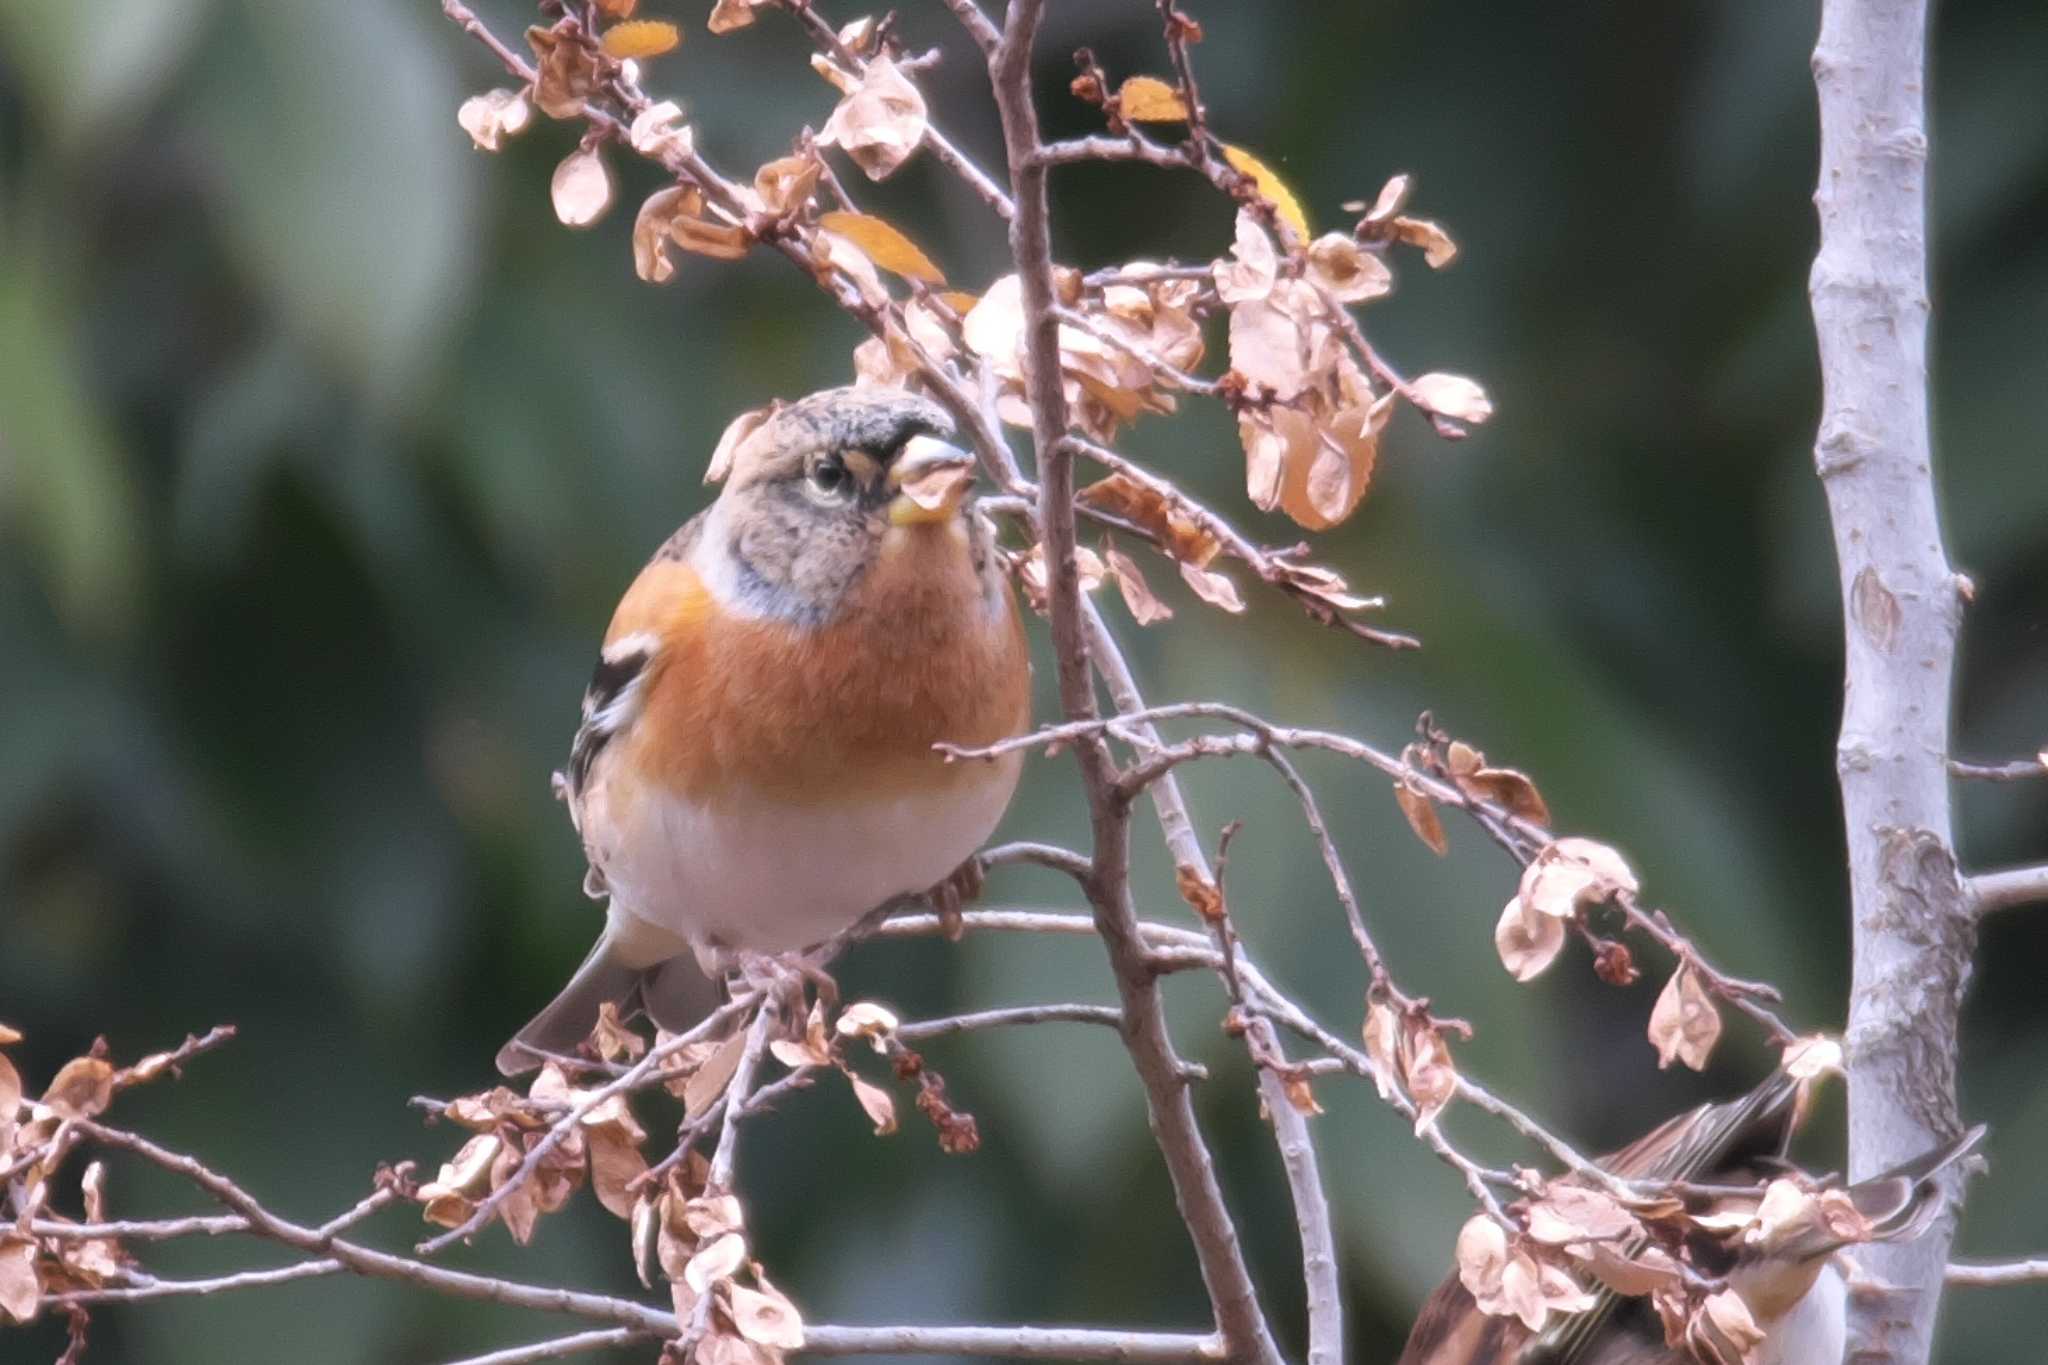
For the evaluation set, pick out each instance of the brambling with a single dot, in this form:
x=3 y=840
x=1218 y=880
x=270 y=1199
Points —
x=754 y=772
x=1784 y=1271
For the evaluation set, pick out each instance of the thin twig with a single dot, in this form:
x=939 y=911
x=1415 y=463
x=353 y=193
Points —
x=577 y=1343
x=2019 y=770
x=918 y=1031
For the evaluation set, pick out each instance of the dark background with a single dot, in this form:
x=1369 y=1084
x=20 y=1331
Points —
x=324 y=452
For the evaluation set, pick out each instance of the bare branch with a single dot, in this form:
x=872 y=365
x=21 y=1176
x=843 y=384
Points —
x=1320 y=1273
x=1988 y=891
x=1901 y=606
x=1977 y=1275
x=1290 y=1128
x=978 y=25
x=1188 y=1162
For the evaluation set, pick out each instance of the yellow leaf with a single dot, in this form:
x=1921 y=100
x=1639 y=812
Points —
x=886 y=246
x=963 y=304
x=1271 y=186
x=1147 y=99
x=640 y=38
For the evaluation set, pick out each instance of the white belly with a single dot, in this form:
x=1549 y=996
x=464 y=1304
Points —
x=758 y=874
x=1816 y=1332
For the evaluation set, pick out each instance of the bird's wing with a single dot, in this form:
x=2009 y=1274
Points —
x=626 y=663
x=1452 y=1331
x=1696 y=1143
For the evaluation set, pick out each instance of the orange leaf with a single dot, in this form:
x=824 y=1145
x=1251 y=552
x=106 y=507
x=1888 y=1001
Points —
x=640 y=38
x=1147 y=99
x=1271 y=186
x=885 y=245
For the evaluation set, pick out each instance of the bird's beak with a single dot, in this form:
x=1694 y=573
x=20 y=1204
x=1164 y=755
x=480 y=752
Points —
x=930 y=478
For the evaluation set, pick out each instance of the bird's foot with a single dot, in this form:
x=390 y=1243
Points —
x=955 y=893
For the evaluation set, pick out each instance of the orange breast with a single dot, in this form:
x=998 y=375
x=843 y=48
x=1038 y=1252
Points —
x=914 y=656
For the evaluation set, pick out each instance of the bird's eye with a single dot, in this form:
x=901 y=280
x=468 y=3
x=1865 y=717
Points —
x=828 y=477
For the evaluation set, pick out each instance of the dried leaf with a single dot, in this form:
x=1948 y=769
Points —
x=82 y=1089
x=640 y=39
x=1253 y=266
x=450 y=1197
x=1426 y=1063
x=884 y=244
x=651 y=237
x=1392 y=196
x=19 y=1289
x=1145 y=609
x=659 y=131
x=1328 y=466
x=1199 y=891
x=735 y=435
x=493 y=116
x=866 y=1019
x=1144 y=505
x=615 y=1162
x=1684 y=1023
x=1147 y=99
x=612 y=1039
x=692 y=231
x=784 y=185
x=1382 y=1034
x=1723 y=1332
x=581 y=188
x=1508 y=788
x=1300 y=1093
x=880 y=1108
x=707 y=1083
x=1438 y=250
x=1451 y=395
x=1482 y=1256
x=1573 y=1213
x=765 y=1317
x=1422 y=818
x=567 y=72
x=1527 y=941
x=1212 y=588
x=728 y=15
x=880 y=122
x=1647 y=1270
x=1569 y=873
x=1271 y=186
x=1351 y=273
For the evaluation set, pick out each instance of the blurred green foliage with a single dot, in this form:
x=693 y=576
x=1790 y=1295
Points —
x=324 y=452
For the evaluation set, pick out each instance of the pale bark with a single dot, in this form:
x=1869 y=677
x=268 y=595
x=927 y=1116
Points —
x=1901 y=603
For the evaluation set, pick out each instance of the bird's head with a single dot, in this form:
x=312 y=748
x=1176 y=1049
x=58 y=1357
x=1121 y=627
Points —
x=819 y=491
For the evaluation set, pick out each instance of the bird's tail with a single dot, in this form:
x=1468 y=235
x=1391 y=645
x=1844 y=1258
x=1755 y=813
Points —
x=670 y=990
x=1899 y=1204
